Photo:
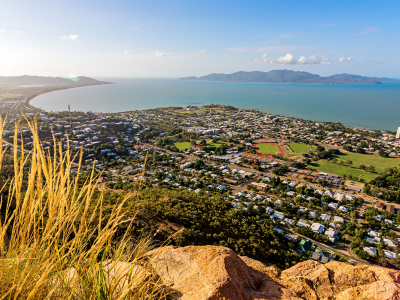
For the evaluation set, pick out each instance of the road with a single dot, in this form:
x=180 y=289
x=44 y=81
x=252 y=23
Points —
x=326 y=247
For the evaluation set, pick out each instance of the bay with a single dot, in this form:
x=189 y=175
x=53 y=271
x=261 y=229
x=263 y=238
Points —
x=365 y=106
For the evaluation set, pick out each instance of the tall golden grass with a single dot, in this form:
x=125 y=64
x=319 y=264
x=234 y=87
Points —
x=45 y=231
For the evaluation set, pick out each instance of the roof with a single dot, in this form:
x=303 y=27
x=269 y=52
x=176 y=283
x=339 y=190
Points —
x=359 y=186
x=303 y=245
x=390 y=208
x=380 y=205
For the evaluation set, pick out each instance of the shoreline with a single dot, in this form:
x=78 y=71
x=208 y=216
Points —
x=28 y=101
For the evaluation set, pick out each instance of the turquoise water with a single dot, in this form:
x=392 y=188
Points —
x=367 y=106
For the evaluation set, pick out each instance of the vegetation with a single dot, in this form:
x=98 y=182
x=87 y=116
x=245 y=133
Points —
x=59 y=240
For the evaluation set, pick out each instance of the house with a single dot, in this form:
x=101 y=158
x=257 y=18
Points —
x=289 y=221
x=313 y=214
x=277 y=215
x=343 y=208
x=389 y=254
x=390 y=208
x=260 y=186
x=380 y=205
x=373 y=240
x=319 y=257
x=302 y=223
x=290 y=194
x=185 y=165
x=291 y=236
x=333 y=205
x=338 y=196
x=317 y=227
x=388 y=222
x=370 y=250
x=303 y=246
x=389 y=242
x=338 y=219
x=269 y=210
x=278 y=202
x=325 y=218
x=373 y=234
x=302 y=209
x=331 y=234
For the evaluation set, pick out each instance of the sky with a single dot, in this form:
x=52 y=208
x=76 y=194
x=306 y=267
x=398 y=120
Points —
x=151 y=38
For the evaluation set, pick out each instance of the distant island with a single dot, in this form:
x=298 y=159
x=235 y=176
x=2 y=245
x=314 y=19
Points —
x=289 y=76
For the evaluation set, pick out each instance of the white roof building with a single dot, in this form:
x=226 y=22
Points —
x=370 y=250
x=317 y=227
x=325 y=217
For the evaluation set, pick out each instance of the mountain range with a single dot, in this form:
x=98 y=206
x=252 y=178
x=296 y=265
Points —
x=41 y=80
x=289 y=76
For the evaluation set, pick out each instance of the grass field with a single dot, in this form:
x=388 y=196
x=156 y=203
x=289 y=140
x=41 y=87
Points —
x=328 y=167
x=268 y=148
x=183 y=145
x=192 y=111
x=216 y=145
x=301 y=148
x=379 y=162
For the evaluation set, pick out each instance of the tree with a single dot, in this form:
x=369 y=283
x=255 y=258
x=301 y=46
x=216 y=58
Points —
x=362 y=167
x=383 y=153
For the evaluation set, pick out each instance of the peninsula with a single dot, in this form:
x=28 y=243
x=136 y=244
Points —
x=16 y=92
x=289 y=76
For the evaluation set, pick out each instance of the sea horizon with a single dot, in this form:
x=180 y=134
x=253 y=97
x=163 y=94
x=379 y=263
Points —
x=356 y=105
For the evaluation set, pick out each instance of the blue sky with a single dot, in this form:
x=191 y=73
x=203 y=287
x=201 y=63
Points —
x=181 y=38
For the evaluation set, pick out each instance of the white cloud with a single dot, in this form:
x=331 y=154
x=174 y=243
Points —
x=256 y=60
x=29 y=49
x=203 y=51
x=312 y=60
x=367 y=30
x=16 y=31
x=72 y=37
x=160 y=54
x=289 y=59
x=136 y=27
x=283 y=60
x=342 y=59
x=2 y=30
x=265 y=55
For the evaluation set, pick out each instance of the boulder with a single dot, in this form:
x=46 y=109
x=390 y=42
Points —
x=211 y=273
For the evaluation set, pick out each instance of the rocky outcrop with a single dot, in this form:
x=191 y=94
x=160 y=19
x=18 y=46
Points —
x=210 y=272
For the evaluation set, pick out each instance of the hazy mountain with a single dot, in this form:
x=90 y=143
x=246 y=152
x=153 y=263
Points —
x=290 y=76
x=40 y=80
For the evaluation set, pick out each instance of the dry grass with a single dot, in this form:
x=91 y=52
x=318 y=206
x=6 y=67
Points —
x=45 y=232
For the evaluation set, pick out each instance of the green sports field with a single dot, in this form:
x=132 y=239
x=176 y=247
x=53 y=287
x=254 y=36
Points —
x=268 y=148
x=379 y=162
x=328 y=167
x=301 y=148
x=183 y=145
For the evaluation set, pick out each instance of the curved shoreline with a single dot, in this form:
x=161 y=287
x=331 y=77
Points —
x=29 y=99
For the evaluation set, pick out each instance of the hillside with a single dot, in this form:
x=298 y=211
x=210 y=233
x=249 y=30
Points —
x=41 y=80
x=289 y=76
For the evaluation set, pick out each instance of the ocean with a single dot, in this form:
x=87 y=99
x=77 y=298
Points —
x=364 y=106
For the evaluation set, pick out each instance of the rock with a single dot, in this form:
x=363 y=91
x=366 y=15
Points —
x=215 y=273
x=211 y=273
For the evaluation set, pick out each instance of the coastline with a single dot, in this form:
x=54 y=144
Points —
x=28 y=101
